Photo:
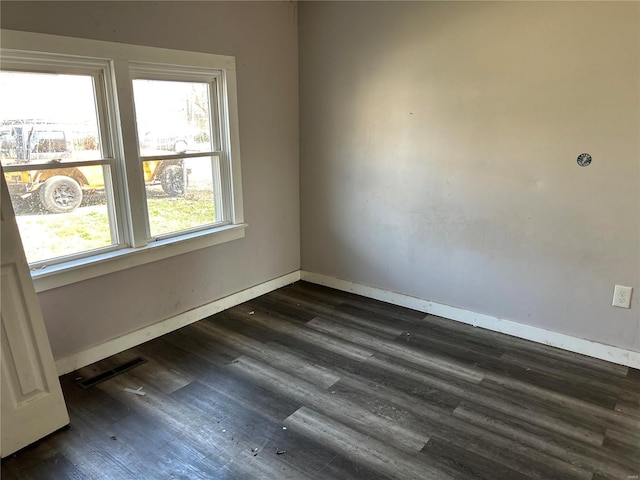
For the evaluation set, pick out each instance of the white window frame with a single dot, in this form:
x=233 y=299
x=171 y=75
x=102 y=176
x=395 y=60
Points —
x=219 y=132
x=119 y=64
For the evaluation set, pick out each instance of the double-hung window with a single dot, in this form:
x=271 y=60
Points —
x=116 y=155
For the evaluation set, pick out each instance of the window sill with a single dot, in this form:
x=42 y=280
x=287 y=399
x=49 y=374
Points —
x=74 y=271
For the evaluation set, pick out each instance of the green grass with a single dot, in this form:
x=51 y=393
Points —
x=47 y=236
x=168 y=215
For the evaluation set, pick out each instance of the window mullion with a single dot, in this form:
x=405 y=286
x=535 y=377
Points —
x=134 y=185
x=104 y=103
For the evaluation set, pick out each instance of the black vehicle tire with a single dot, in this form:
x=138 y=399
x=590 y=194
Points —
x=174 y=181
x=180 y=146
x=60 y=194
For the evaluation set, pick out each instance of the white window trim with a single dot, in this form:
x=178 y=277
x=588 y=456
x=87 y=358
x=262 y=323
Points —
x=66 y=273
x=122 y=56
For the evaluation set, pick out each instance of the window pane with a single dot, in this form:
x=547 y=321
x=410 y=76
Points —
x=48 y=235
x=181 y=194
x=172 y=117
x=46 y=117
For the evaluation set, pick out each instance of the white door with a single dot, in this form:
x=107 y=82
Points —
x=32 y=402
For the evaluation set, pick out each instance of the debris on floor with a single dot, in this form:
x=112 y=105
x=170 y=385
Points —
x=113 y=437
x=252 y=312
x=137 y=391
x=280 y=452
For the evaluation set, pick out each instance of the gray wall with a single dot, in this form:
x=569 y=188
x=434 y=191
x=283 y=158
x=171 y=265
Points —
x=438 y=156
x=263 y=37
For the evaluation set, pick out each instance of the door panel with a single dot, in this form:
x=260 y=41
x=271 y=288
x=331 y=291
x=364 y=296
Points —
x=32 y=402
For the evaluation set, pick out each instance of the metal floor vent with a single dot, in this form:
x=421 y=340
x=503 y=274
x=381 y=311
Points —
x=101 y=377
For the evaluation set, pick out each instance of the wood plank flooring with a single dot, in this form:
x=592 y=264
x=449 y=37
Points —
x=312 y=383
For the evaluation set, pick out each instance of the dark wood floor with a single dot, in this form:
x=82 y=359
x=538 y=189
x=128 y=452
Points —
x=311 y=383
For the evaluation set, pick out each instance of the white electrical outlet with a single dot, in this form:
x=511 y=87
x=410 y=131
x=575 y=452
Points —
x=622 y=296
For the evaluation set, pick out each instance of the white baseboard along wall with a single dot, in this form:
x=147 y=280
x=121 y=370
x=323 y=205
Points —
x=137 y=337
x=573 y=344
x=539 y=335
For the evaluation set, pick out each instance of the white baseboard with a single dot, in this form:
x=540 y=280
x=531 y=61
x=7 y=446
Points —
x=585 y=347
x=578 y=345
x=129 y=340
